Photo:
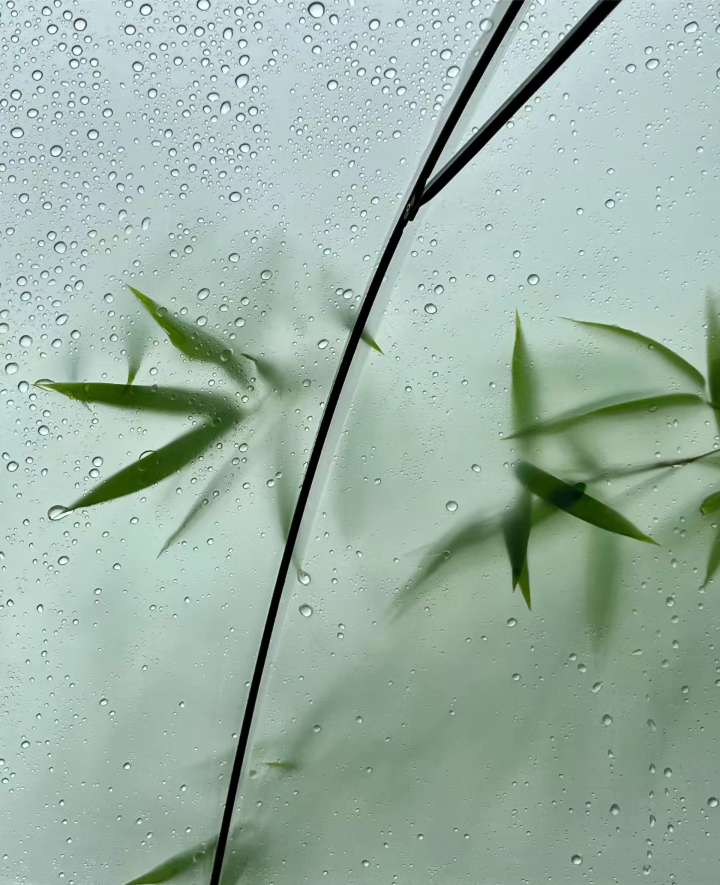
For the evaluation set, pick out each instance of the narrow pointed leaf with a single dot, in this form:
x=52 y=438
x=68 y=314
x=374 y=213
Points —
x=516 y=532
x=176 y=865
x=135 y=352
x=174 y=400
x=203 y=502
x=370 y=341
x=713 y=558
x=524 y=583
x=603 y=586
x=647 y=404
x=193 y=342
x=155 y=467
x=574 y=500
x=669 y=356
x=713 y=354
x=710 y=504
x=523 y=383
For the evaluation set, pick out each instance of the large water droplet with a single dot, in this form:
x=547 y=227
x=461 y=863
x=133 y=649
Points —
x=11 y=368
x=533 y=279
x=690 y=27
x=316 y=10
x=306 y=610
x=17 y=132
x=57 y=512
x=430 y=308
x=451 y=506
x=303 y=577
x=712 y=802
x=80 y=24
x=241 y=80
x=576 y=859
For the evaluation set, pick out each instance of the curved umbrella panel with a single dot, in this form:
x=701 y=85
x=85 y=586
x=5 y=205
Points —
x=418 y=713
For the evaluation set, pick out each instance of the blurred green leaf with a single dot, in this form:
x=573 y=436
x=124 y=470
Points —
x=603 y=586
x=713 y=354
x=193 y=342
x=286 y=767
x=710 y=504
x=523 y=382
x=713 y=558
x=174 y=400
x=609 y=409
x=663 y=352
x=137 y=342
x=573 y=500
x=156 y=466
x=204 y=500
x=371 y=342
x=516 y=532
x=177 y=865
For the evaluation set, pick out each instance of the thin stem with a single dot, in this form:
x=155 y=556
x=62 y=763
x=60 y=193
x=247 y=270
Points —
x=655 y=465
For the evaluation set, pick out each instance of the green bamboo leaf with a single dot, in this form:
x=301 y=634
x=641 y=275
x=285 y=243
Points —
x=193 y=342
x=135 y=351
x=663 y=352
x=210 y=492
x=523 y=382
x=173 y=400
x=371 y=342
x=176 y=865
x=516 y=533
x=713 y=354
x=574 y=500
x=285 y=767
x=713 y=558
x=603 y=586
x=156 y=466
x=611 y=408
x=710 y=504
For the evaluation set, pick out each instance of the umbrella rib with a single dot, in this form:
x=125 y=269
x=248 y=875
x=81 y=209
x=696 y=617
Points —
x=420 y=194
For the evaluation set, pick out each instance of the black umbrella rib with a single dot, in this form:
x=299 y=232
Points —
x=421 y=193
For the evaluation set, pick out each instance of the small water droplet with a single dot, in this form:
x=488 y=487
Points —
x=56 y=150
x=614 y=809
x=712 y=802
x=17 y=132
x=374 y=24
x=533 y=279
x=609 y=204
x=652 y=63
x=451 y=506
x=576 y=859
x=690 y=27
x=303 y=577
x=103 y=702
x=241 y=80
x=430 y=308
x=475 y=468
x=25 y=744
x=80 y=24
x=235 y=197
x=12 y=466
x=305 y=610
x=596 y=688
x=203 y=294
x=607 y=719
x=332 y=85
x=145 y=9
x=25 y=341
x=511 y=622
x=127 y=766
x=323 y=343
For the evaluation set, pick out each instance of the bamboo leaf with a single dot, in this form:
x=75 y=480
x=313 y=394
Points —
x=176 y=865
x=155 y=467
x=608 y=410
x=713 y=354
x=204 y=500
x=710 y=504
x=173 y=400
x=193 y=342
x=370 y=341
x=523 y=383
x=574 y=500
x=603 y=586
x=669 y=356
x=135 y=351
x=516 y=532
x=713 y=558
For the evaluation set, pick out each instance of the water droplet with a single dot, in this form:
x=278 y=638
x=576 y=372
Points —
x=63 y=560
x=25 y=744
x=235 y=197
x=93 y=134
x=614 y=810
x=12 y=466
x=486 y=25
x=609 y=204
x=316 y=10
x=332 y=85
x=652 y=63
x=690 y=27
x=226 y=355
x=25 y=341
x=266 y=275
x=43 y=430
x=303 y=577
x=145 y=9
x=596 y=688
x=712 y=802
x=305 y=610
x=103 y=702
x=17 y=132
x=451 y=506
x=317 y=728
x=576 y=859
x=127 y=766
x=56 y=150
x=241 y=80
x=533 y=279
x=374 y=24
x=80 y=24
x=430 y=308
x=203 y=5
x=453 y=71
x=60 y=247
x=475 y=468
x=323 y=343
x=607 y=719
x=511 y=622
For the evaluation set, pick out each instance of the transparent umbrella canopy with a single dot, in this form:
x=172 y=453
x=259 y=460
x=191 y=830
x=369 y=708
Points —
x=360 y=443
